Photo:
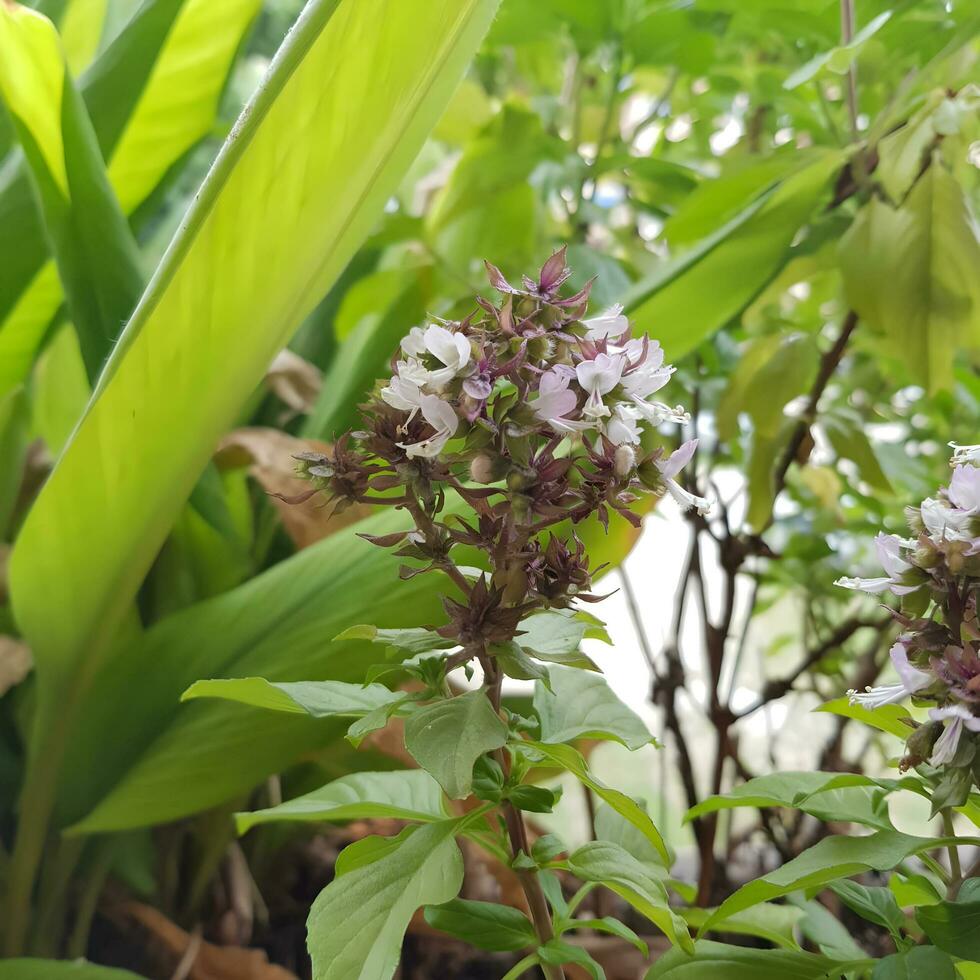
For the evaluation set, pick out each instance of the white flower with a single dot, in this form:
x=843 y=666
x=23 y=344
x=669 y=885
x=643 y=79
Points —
x=611 y=323
x=964 y=454
x=912 y=680
x=403 y=394
x=442 y=417
x=452 y=349
x=647 y=372
x=945 y=523
x=623 y=428
x=598 y=377
x=656 y=413
x=555 y=400
x=964 y=489
x=671 y=466
x=888 y=547
x=413 y=345
x=947 y=743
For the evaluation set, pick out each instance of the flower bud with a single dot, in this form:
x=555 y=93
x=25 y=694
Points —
x=920 y=744
x=624 y=460
x=487 y=468
x=520 y=478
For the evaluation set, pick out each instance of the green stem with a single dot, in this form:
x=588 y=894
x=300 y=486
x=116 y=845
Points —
x=521 y=968
x=955 y=871
x=88 y=902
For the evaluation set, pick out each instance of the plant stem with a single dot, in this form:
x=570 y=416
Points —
x=846 y=36
x=517 y=833
x=955 y=871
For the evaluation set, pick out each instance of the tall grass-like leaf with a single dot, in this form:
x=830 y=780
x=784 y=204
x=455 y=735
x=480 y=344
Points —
x=342 y=112
x=97 y=257
x=171 y=54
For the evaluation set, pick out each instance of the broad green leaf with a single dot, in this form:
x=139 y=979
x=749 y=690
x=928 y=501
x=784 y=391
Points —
x=913 y=890
x=81 y=28
x=826 y=795
x=850 y=441
x=483 y=924
x=713 y=961
x=616 y=869
x=886 y=719
x=580 y=704
x=97 y=258
x=402 y=795
x=876 y=904
x=909 y=272
x=918 y=963
x=610 y=926
x=567 y=758
x=828 y=860
x=825 y=930
x=321 y=699
x=277 y=626
x=705 y=287
x=357 y=922
x=777 y=923
x=294 y=192
x=551 y=634
x=171 y=54
x=447 y=737
x=32 y=969
x=953 y=927
x=14 y=418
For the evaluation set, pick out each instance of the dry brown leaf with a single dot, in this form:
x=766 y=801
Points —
x=294 y=381
x=268 y=454
x=211 y=962
x=16 y=662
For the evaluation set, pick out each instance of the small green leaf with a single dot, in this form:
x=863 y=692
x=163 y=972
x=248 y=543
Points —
x=483 y=924
x=886 y=719
x=534 y=799
x=953 y=927
x=918 y=963
x=447 y=737
x=825 y=930
x=828 y=796
x=876 y=904
x=357 y=922
x=718 y=961
x=612 y=826
x=407 y=795
x=608 y=864
x=567 y=758
x=581 y=705
x=830 y=859
x=551 y=634
x=413 y=640
x=777 y=923
x=913 y=890
x=555 y=953
x=612 y=927
x=321 y=699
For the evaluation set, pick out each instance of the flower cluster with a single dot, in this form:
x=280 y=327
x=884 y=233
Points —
x=935 y=573
x=537 y=417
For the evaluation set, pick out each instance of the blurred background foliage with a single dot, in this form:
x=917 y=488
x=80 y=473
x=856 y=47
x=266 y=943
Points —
x=784 y=201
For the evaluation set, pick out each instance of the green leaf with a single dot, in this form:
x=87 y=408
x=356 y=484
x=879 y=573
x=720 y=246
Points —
x=825 y=930
x=447 y=737
x=838 y=59
x=913 y=890
x=612 y=826
x=321 y=699
x=876 y=904
x=567 y=758
x=32 y=969
x=713 y=961
x=610 y=926
x=402 y=795
x=701 y=290
x=953 y=927
x=609 y=865
x=555 y=952
x=581 y=705
x=849 y=441
x=97 y=257
x=295 y=190
x=918 y=963
x=151 y=95
x=483 y=924
x=551 y=634
x=825 y=795
x=909 y=272
x=375 y=903
x=777 y=923
x=412 y=640
x=888 y=718
x=14 y=419
x=828 y=860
